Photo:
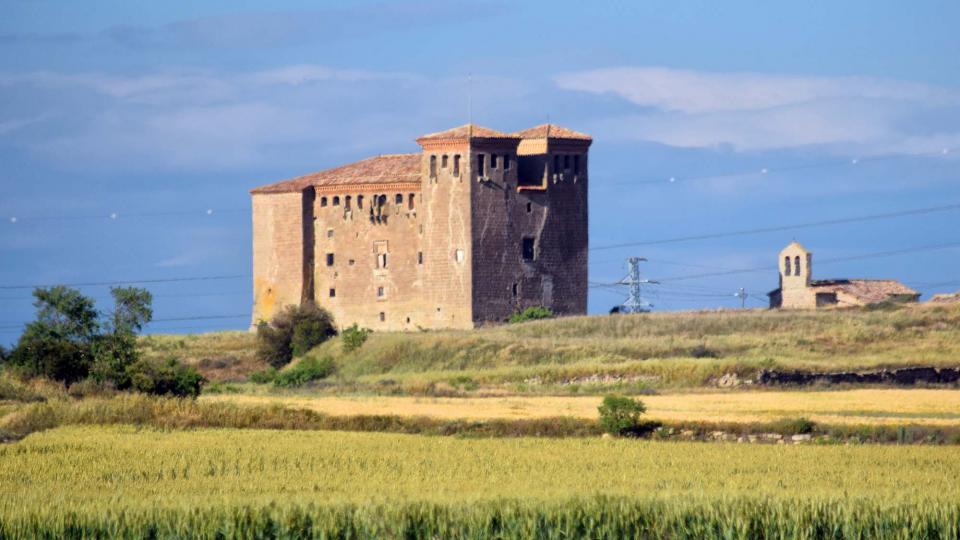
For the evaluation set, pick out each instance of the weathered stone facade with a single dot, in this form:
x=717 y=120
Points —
x=476 y=226
x=799 y=291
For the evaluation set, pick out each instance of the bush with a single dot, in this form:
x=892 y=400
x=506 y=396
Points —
x=165 y=378
x=531 y=314
x=701 y=351
x=620 y=415
x=293 y=332
x=264 y=377
x=354 y=337
x=309 y=369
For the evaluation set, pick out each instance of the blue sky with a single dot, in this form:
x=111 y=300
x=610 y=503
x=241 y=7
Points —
x=145 y=109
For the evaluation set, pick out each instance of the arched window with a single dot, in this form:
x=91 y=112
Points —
x=323 y=201
x=359 y=201
x=346 y=202
x=382 y=200
x=410 y=201
x=433 y=166
x=398 y=199
x=336 y=200
x=786 y=265
x=796 y=265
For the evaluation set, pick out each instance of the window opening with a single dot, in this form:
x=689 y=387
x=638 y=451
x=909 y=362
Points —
x=458 y=255
x=333 y=293
x=796 y=266
x=443 y=162
x=383 y=316
x=529 y=207
x=323 y=201
x=480 y=162
x=433 y=166
x=527 y=250
x=515 y=289
x=456 y=165
x=786 y=265
x=336 y=200
x=329 y=259
x=380 y=292
x=493 y=161
x=410 y=202
x=419 y=257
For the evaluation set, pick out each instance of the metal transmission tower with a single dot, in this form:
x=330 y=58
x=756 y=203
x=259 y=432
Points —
x=635 y=302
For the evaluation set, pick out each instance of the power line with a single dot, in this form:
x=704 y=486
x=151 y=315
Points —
x=127 y=282
x=116 y=215
x=781 y=228
x=823 y=261
x=764 y=171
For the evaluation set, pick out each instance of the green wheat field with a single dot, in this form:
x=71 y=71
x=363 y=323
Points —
x=132 y=482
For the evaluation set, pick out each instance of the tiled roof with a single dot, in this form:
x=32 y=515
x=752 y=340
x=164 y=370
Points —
x=386 y=169
x=945 y=298
x=465 y=131
x=553 y=131
x=866 y=290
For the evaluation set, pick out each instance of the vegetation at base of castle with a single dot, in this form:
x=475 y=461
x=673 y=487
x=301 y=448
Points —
x=354 y=337
x=133 y=482
x=308 y=369
x=531 y=314
x=292 y=333
x=265 y=376
x=620 y=415
x=70 y=342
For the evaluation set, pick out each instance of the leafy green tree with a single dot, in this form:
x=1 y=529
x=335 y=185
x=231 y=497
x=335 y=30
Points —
x=293 y=332
x=57 y=344
x=115 y=350
x=620 y=415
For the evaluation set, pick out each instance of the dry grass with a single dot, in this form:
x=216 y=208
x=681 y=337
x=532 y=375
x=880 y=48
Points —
x=219 y=356
x=846 y=407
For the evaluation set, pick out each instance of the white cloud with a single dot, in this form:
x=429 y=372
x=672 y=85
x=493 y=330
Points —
x=750 y=111
x=203 y=120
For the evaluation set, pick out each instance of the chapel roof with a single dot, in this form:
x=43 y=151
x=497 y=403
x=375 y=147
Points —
x=552 y=131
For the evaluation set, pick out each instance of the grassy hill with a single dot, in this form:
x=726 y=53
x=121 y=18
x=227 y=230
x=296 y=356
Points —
x=625 y=352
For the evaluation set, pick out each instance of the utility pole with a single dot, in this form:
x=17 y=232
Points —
x=635 y=302
x=742 y=295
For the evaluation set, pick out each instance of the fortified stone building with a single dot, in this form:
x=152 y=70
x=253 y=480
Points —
x=799 y=291
x=476 y=226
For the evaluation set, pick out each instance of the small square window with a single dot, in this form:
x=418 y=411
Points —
x=380 y=292
x=329 y=259
x=383 y=316
x=398 y=199
x=329 y=233
x=333 y=293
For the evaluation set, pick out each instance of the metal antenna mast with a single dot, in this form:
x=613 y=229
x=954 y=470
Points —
x=635 y=302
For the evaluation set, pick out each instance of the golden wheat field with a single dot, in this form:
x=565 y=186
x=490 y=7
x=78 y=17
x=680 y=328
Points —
x=129 y=481
x=845 y=407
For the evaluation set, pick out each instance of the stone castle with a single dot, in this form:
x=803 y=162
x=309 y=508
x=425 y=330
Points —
x=477 y=225
x=798 y=289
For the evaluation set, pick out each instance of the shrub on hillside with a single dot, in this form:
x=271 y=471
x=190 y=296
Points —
x=354 y=337
x=165 y=378
x=531 y=314
x=620 y=415
x=264 y=377
x=293 y=332
x=307 y=370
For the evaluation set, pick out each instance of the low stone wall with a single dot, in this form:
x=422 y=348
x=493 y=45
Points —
x=901 y=376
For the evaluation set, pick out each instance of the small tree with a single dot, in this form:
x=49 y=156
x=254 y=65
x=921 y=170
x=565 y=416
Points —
x=57 y=344
x=620 y=415
x=354 y=337
x=293 y=332
x=115 y=350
